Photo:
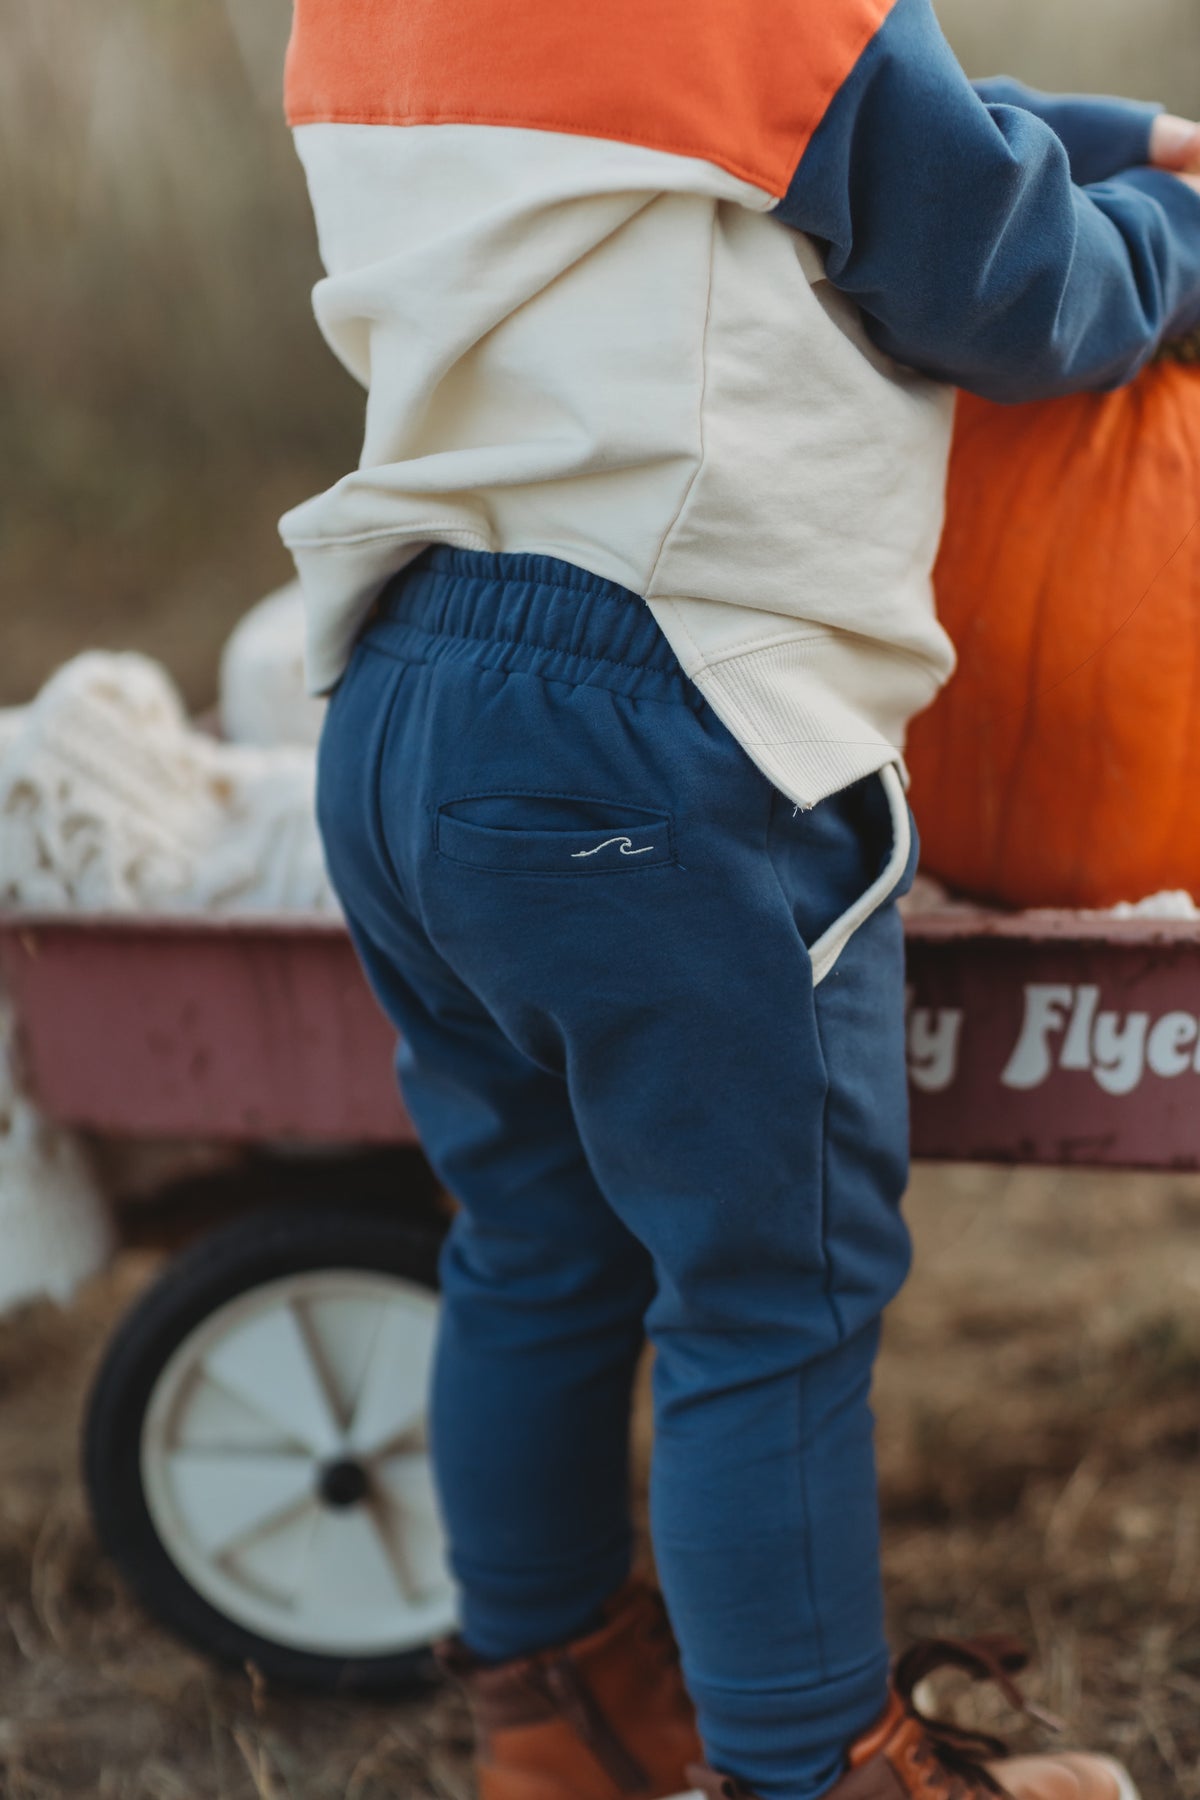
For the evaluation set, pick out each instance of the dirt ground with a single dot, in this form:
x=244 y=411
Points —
x=1039 y=1428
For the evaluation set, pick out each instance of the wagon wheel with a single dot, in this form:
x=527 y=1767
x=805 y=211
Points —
x=256 y=1452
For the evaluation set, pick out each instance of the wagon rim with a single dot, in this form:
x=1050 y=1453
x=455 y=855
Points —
x=285 y=1464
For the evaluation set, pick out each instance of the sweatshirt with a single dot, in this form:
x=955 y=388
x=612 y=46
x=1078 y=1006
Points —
x=679 y=291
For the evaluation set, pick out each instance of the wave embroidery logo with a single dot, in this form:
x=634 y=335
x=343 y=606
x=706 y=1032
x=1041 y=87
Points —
x=625 y=843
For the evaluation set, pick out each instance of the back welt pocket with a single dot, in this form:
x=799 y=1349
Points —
x=552 y=834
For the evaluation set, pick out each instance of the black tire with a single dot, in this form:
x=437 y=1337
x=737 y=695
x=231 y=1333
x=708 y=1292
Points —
x=259 y=1249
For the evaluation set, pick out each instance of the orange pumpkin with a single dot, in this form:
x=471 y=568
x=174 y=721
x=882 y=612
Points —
x=1061 y=766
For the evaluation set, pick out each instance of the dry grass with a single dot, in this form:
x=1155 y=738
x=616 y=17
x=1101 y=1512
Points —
x=1040 y=1445
x=94 y=1700
x=1039 y=1439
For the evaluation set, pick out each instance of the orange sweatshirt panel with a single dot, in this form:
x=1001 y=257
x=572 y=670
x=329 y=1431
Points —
x=740 y=83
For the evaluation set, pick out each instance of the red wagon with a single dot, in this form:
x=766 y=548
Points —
x=256 y=1451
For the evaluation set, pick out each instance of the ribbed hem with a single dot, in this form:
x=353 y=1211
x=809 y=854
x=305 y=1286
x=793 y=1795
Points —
x=790 y=1743
x=815 y=710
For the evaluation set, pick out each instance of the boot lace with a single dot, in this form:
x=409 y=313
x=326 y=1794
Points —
x=951 y=1759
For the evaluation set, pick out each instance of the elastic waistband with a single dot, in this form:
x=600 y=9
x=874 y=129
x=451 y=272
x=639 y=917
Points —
x=530 y=613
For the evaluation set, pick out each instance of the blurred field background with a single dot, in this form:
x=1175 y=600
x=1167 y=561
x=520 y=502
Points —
x=163 y=396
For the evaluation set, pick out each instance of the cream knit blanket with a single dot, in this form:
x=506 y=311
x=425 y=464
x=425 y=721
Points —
x=111 y=801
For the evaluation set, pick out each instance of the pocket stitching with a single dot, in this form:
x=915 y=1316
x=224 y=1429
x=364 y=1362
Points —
x=376 y=790
x=671 y=860
x=549 y=794
x=823 y=953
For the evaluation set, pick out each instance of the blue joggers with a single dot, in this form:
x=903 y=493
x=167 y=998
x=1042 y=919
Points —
x=590 y=916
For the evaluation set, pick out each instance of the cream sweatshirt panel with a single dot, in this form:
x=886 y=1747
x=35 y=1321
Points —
x=609 y=354
x=851 y=450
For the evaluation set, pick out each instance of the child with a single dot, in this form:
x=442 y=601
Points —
x=627 y=606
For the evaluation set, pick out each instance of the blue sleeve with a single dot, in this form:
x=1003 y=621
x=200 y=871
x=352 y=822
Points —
x=956 y=227
x=1101 y=136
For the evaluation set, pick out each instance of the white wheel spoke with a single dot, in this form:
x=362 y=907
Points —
x=406 y=1485
x=268 y=1364
x=342 y=1329
x=276 y=1561
x=349 y=1566
x=226 y=1497
x=216 y=1419
x=395 y=1392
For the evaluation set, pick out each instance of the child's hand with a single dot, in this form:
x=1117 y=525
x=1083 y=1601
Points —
x=1175 y=145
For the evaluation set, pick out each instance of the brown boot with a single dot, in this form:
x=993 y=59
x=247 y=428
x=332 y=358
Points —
x=604 y=1718
x=906 y=1756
